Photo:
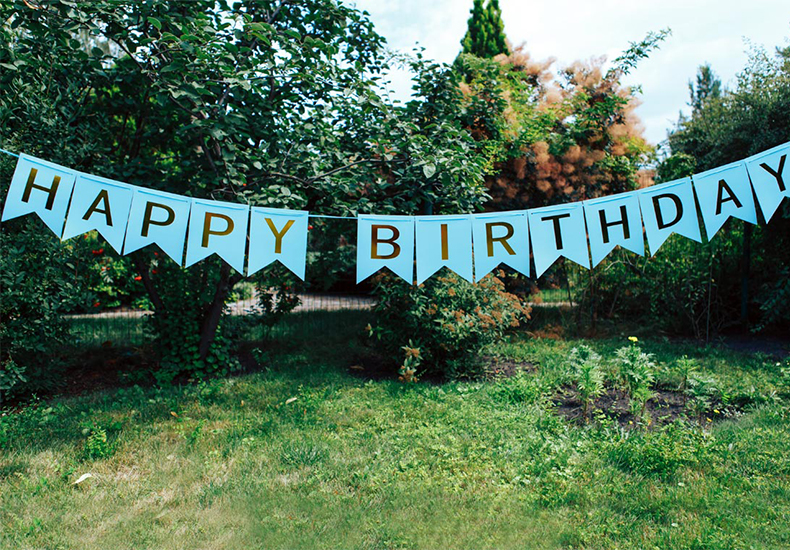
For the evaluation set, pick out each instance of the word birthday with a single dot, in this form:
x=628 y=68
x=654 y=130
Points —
x=250 y=238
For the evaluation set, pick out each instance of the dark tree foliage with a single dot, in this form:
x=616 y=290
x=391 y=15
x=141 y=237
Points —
x=485 y=35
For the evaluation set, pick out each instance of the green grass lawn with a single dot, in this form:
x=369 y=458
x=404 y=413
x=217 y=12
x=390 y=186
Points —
x=305 y=455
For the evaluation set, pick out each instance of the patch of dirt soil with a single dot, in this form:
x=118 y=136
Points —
x=664 y=408
x=373 y=365
x=497 y=368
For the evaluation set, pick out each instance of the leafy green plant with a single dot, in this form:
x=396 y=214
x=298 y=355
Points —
x=703 y=391
x=411 y=361
x=34 y=294
x=588 y=375
x=685 y=368
x=448 y=319
x=97 y=446
x=636 y=373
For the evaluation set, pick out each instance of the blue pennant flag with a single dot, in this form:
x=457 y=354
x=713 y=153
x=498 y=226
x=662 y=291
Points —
x=444 y=241
x=722 y=193
x=278 y=234
x=612 y=221
x=770 y=175
x=41 y=187
x=669 y=208
x=158 y=218
x=385 y=241
x=558 y=231
x=220 y=228
x=500 y=238
x=100 y=204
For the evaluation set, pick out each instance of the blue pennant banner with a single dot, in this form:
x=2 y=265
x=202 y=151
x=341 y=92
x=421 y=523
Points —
x=41 y=187
x=102 y=205
x=558 y=231
x=669 y=208
x=189 y=229
x=278 y=234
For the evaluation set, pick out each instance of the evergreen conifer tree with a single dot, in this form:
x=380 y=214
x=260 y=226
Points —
x=485 y=34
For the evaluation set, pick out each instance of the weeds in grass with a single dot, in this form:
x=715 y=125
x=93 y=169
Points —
x=703 y=391
x=660 y=453
x=97 y=446
x=302 y=454
x=355 y=463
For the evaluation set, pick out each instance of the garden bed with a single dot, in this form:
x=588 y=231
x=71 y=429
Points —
x=667 y=406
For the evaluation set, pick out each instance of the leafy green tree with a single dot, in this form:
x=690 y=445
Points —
x=724 y=128
x=708 y=87
x=551 y=139
x=485 y=34
x=266 y=102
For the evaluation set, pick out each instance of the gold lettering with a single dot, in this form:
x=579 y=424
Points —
x=490 y=239
x=375 y=240
x=207 y=231
x=101 y=197
x=147 y=221
x=278 y=235
x=31 y=184
x=445 y=252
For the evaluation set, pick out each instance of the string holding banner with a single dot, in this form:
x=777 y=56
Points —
x=249 y=239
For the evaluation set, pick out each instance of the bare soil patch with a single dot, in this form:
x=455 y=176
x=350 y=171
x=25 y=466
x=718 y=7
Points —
x=373 y=365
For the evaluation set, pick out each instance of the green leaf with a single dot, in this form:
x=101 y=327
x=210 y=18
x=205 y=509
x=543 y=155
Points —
x=155 y=22
x=429 y=170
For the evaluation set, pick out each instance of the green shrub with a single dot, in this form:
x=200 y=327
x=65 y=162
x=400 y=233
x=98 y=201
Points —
x=110 y=280
x=703 y=391
x=446 y=319
x=33 y=294
x=686 y=368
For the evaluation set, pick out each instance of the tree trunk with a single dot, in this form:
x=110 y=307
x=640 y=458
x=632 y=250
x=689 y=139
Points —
x=211 y=321
x=746 y=261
